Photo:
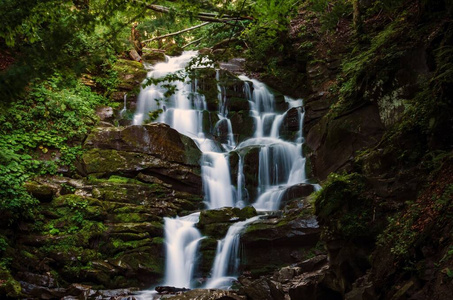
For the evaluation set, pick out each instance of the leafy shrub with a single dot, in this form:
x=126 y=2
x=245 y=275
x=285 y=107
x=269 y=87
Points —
x=40 y=133
x=331 y=11
x=342 y=208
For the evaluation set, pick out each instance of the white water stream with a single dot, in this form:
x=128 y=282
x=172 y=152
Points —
x=281 y=164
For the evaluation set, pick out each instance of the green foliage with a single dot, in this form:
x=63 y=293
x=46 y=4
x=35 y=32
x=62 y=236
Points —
x=39 y=133
x=406 y=230
x=265 y=35
x=331 y=12
x=341 y=206
x=55 y=36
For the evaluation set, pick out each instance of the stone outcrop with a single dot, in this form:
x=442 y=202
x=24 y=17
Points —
x=154 y=151
x=106 y=229
x=131 y=73
x=304 y=280
x=335 y=142
x=280 y=239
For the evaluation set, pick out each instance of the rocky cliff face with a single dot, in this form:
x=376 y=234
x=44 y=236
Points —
x=106 y=229
x=374 y=116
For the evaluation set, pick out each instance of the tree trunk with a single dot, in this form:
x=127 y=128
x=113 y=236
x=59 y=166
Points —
x=357 y=17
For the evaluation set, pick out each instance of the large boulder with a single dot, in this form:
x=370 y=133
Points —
x=272 y=242
x=155 y=151
x=155 y=139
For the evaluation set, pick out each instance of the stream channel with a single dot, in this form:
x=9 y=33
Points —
x=281 y=164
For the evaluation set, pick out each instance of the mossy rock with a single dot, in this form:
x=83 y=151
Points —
x=130 y=74
x=153 y=57
x=233 y=159
x=158 y=140
x=152 y=228
x=216 y=230
x=225 y=215
x=173 y=50
x=251 y=170
x=238 y=104
x=243 y=124
x=210 y=119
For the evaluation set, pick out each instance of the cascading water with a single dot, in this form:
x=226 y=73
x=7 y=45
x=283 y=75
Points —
x=181 y=238
x=281 y=163
x=227 y=259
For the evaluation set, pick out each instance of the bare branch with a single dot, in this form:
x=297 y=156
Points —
x=203 y=16
x=175 y=33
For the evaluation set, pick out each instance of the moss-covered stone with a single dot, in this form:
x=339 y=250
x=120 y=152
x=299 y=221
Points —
x=226 y=214
x=243 y=124
x=251 y=169
x=210 y=119
x=153 y=57
x=208 y=247
x=130 y=74
x=238 y=104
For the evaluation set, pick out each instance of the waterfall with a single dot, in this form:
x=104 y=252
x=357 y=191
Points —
x=218 y=190
x=182 y=240
x=123 y=111
x=227 y=260
x=281 y=162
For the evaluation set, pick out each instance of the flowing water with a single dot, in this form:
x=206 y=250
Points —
x=226 y=262
x=281 y=163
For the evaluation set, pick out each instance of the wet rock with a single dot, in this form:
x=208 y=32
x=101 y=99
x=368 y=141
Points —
x=256 y=289
x=170 y=290
x=226 y=214
x=269 y=244
x=210 y=119
x=251 y=169
x=80 y=290
x=114 y=294
x=153 y=57
x=303 y=231
x=105 y=113
x=211 y=294
x=312 y=264
x=41 y=292
x=243 y=124
x=215 y=223
x=297 y=191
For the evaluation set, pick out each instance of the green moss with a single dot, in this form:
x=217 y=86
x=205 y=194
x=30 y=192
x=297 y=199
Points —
x=103 y=161
x=130 y=217
x=342 y=208
x=130 y=74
